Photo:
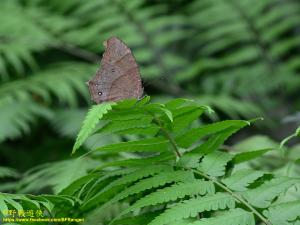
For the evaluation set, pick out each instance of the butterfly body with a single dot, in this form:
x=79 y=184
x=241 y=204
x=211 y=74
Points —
x=118 y=77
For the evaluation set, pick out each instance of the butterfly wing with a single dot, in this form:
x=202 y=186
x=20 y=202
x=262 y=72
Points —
x=119 y=77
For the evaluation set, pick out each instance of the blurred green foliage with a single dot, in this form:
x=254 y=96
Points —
x=241 y=57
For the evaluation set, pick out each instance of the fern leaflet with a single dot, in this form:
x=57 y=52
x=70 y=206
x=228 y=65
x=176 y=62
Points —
x=191 y=208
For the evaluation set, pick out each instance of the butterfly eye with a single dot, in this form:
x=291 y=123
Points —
x=99 y=93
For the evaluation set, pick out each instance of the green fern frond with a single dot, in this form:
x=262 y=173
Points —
x=240 y=43
x=145 y=184
x=185 y=115
x=21 y=202
x=93 y=117
x=170 y=185
x=191 y=136
x=62 y=80
x=73 y=188
x=144 y=218
x=214 y=163
x=127 y=179
x=19 y=108
x=152 y=160
x=216 y=140
x=67 y=122
x=158 y=109
x=248 y=155
x=241 y=179
x=95 y=184
x=263 y=195
x=126 y=114
x=56 y=175
x=23 y=36
x=134 y=126
x=173 y=193
x=17 y=116
x=191 y=208
x=17 y=32
x=8 y=172
x=8 y=199
x=149 y=30
x=146 y=145
x=284 y=213
x=231 y=217
x=177 y=103
x=139 y=174
x=99 y=216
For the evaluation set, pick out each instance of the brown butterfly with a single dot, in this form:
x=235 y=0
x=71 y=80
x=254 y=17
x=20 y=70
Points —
x=118 y=77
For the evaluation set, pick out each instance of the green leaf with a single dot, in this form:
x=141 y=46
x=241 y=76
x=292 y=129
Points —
x=172 y=193
x=215 y=141
x=214 y=163
x=141 y=126
x=92 y=192
x=263 y=195
x=61 y=199
x=231 y=217
x=166 y=156
x=20 y=202
x=16 y=116
x=136 y=220
x=125 y=114
x=75 y=185
x=137 y=175
x=284 y=213
x=3 y=206
x=91 y=120
x=255 y=142
x=57 y=175
x=190 y=160
x=191 y=208
x=156 y=181
x=144 y=100
x=8 y=172
x=131 y=177
x=175 y=103
x=184 y=116
x=241 y=179
x=152 y=182
x=125 y=104
x=190 y=137
x=249 y=155
x=144 y=145
x=155 y=108
x=10 y=200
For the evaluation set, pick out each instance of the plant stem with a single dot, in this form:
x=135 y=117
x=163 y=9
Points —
x=169 y=137
x=172 y=141
x=236 y=196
